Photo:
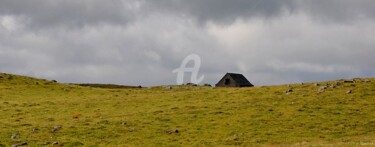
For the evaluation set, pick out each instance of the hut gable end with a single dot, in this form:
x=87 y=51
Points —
x=234 y=80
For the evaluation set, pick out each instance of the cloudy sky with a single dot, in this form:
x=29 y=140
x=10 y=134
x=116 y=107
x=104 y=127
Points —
x=140 y=42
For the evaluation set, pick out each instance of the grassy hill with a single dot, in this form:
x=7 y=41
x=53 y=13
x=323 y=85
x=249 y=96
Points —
x=40 y=112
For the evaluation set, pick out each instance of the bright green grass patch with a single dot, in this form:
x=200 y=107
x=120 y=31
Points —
x=185 y=115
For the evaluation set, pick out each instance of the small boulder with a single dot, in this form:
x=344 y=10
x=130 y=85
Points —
x=34 y=130
x=289 y=91
x=56 y=128
x=45 y=143
x=172 y=132
x=168 y=87
x=349 y=81
x=15 y=135
x=349 y=92
x=19 y=145
x=338 y=84
x=316 y=84
x=357 y=80
x=323 y=88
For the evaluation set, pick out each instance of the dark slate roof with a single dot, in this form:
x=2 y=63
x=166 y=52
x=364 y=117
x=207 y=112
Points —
x=239 y=78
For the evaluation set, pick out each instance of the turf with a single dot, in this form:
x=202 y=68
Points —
x=42 y=112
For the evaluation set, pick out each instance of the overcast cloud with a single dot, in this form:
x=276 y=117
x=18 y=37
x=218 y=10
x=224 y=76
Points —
x=140 y=42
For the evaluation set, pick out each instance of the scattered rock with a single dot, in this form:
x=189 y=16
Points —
x=168 y=88
x=316 y=84
x=289 y=91
x=366 y=81
x=191 y=84
x=349 y=92
x=323 y=88
x=338 y=84
x=15 y=135
x=45 y=143
x=55 y=143
x=172 y=132
x=56 y=128
x=207 y=85
x=357 y=79
x=34 y=130
x=19 y=145
x=349 y=81
x=54 y=81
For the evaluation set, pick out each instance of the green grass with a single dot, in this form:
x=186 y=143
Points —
x=203 y=116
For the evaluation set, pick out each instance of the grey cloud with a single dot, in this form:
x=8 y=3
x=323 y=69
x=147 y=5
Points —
x=142 y=41
x=338 y=11
x=72 y=13
x=227 y=11
x=224 y=11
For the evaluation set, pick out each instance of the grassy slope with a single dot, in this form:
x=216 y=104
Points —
x=202 y=115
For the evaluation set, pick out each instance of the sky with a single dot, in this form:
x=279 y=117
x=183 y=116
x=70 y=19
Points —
x=141 y=42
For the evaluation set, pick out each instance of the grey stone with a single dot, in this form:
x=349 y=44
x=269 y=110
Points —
x=56 y=128
x=34 y=130
x=349 y=81
x=15 y=135
x=19 y=145
x=172 y=132
x=45 y=143
x=332 y=86
x=168 y=88
x=290 y=90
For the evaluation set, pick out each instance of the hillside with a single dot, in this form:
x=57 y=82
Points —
x=39 y=112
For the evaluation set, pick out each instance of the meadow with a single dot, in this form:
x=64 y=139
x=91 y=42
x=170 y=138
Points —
x=37 y=112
